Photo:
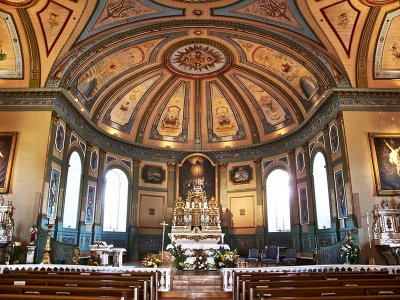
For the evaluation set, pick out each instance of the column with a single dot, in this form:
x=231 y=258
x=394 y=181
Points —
x=171 y=193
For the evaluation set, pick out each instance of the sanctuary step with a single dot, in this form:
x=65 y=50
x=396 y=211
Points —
x=190 y=284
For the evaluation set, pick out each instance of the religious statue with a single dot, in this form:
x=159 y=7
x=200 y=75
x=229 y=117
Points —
x=33 y=235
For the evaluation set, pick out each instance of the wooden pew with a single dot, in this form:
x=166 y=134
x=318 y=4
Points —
x=58 y=297
x=125 y=293
x=307 y=292
x=146 y=280
x=242 y=280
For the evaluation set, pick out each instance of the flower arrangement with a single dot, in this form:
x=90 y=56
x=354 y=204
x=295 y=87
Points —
x=179 y=254
x=200 y=260
x=225 y=259
x=94 y=259
x=350 y=250
x=152 y=261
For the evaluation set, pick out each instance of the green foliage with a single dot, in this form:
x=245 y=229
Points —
x=225 y=259
x=350 y=250
x=200 y=261
x=179 y=254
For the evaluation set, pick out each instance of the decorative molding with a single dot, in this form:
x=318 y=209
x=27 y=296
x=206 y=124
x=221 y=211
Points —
x=52 y=22
x=339 y=99
x=379 y=72
x=33 y=48
x=362 y=55
x=18 y=72
x=347 y=48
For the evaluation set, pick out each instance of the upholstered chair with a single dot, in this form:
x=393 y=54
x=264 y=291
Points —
x=291 y=257
x=271 y=256
x=253 y=257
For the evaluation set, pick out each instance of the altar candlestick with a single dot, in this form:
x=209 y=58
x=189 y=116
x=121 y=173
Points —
x=163 y=224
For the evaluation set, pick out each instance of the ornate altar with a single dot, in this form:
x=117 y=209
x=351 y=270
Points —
x=386 y=230
x=196 y=219
x=6 y=222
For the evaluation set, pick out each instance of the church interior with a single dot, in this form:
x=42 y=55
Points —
x=243 y=124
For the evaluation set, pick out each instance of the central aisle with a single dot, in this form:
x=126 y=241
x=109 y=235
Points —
x=189 y=284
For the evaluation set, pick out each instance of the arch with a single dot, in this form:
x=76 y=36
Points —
x=73 y=190
x=115 y=200
x=321 y=190
x=278 y=194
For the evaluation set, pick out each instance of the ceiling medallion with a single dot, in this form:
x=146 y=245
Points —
x=198 y=59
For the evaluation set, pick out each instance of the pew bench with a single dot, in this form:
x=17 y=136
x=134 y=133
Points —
x=58 y=297
x=144 y=282
x=306 y=292
x=125 y=293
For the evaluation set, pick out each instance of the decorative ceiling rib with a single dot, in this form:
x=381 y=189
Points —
x=208 y=75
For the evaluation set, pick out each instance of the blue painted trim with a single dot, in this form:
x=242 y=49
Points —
x=229 y=11
x=164 y=12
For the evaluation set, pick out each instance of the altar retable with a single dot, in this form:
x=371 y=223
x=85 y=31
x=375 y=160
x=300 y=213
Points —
x=196 y=222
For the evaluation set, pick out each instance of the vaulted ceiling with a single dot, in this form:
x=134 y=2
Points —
x=199 y=75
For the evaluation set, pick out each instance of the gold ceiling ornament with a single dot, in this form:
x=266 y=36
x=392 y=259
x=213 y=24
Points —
x=19 y=3
x=198 y=58
x=378 y=2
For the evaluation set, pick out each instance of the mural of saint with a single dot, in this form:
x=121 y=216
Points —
x=107 y=68
x=224 y=122
x=277 y=62
x=171 y=117
x=273 y=111
x=122 y=111
x=171 y=120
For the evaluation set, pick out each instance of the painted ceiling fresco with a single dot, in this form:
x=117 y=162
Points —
x=199 y=75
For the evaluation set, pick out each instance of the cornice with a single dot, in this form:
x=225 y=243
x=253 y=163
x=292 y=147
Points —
x=336 y=100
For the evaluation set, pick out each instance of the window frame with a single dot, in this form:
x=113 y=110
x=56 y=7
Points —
x=324 y=156
x=290 y=196
x=79 y=201
x=128 y=197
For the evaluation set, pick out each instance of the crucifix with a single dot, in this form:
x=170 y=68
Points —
x=163 y=224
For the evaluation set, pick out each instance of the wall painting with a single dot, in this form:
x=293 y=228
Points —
x=340 y=194
x=52 y=198
x=385 y=157
x=7 y=148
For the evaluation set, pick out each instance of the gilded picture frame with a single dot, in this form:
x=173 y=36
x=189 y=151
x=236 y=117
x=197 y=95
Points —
x=8 y=142
x=385 y=158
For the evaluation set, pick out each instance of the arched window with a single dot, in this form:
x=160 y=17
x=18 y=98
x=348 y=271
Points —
x=115 y=201
x=73 y=188
x=321 y=192
x=278 y=201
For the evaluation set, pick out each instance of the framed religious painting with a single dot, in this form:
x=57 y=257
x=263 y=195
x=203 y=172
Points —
x=303 y=205
x=340 y=194
x=7 y=148
x=153 y=174
x=90 y=204
x=386 y=160
x=241 y=174
x=54 y=187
